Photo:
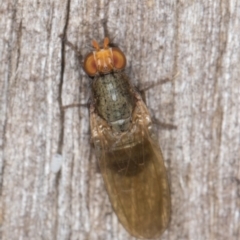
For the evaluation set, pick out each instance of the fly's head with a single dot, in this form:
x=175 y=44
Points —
x=104 y=60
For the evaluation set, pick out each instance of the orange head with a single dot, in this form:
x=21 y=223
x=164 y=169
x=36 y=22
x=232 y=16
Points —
x=104 y=60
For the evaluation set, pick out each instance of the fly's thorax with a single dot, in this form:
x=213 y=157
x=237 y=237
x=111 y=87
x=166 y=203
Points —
x=114 y=100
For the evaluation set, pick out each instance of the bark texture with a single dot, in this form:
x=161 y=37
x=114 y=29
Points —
x=195 y=44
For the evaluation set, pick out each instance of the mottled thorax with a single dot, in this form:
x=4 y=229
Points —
x=113 y=99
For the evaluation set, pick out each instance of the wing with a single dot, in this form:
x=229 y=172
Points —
x=135 y=177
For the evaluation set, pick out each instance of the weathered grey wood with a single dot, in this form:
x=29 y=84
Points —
x=194 y=43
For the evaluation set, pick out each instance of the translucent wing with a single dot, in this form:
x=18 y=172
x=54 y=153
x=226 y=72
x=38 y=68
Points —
x=134 y=174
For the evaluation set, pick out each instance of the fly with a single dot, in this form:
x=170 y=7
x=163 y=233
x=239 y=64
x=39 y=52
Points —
x=129 y=157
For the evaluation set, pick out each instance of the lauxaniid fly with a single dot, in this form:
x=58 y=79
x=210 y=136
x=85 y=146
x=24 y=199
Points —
x=129 y=157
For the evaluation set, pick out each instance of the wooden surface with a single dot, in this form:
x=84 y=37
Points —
x=195 y=44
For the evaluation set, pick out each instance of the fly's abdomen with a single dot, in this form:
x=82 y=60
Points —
x=114 y=100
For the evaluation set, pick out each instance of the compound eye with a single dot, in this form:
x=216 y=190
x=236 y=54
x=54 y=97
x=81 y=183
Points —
x=89 y=65
x=119 y=59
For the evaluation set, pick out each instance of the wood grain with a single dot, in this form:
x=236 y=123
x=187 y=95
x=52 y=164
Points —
x=194 y=44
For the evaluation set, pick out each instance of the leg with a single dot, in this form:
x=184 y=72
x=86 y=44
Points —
x=75 y=105
x=155 y=121
x=72 y=46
